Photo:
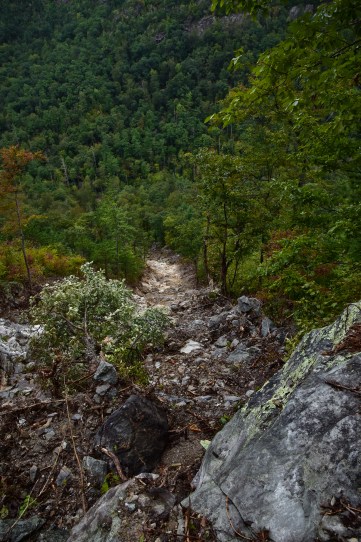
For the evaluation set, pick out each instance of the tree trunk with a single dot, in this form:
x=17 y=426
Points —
x=224 y=268
x=117 y=256
x=65 y=170
x=224 y=263
x=205 y=251
x=22 y=238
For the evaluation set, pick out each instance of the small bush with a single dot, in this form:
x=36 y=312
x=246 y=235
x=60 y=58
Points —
x=82 y=317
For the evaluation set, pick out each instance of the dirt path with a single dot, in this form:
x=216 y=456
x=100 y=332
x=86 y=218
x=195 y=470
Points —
x=213 y=360
x=167 y=279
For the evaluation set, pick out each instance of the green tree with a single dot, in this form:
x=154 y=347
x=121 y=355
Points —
x=304 y=95
x=119 y=236
x=236 y=201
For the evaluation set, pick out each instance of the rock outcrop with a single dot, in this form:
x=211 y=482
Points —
x=286 y=464
x=14 y=344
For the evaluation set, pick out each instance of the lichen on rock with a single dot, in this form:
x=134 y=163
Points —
x=292 y=449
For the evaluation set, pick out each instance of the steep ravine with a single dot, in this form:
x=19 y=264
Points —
x=214 y=358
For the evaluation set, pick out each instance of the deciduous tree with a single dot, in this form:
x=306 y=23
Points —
x=14 y=162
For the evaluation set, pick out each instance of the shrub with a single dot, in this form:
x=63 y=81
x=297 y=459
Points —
x=82 y=317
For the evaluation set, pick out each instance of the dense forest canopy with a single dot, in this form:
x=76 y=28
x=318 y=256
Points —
x=264 y=197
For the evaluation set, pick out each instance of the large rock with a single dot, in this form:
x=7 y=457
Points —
x=14 y=342
x=136 y=433
x=120 y=515
x=243 y=354
x=290 y=455
x=191 y=346
x=95 y=469
x=249 y=304
x=15 y=531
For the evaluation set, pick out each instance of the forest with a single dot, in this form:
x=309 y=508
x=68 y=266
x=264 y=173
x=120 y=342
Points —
x=228 y=132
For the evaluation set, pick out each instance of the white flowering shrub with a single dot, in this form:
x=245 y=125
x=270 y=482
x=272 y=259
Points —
x=82 y=317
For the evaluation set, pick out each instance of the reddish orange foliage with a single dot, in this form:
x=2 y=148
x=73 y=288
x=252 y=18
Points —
x=323 y=270
x=14 y=161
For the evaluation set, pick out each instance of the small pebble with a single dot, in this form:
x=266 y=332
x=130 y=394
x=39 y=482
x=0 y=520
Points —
x=49 y=434
x=101 y=390
x=63 y=476
x=232 y=398
x=146 y=476
x=33 y=472
x=27 y=391
x=130 y=506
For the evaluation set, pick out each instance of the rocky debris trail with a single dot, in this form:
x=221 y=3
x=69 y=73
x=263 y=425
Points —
x=216 y=355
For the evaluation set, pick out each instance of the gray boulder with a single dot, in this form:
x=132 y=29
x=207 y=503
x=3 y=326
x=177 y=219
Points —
x=266 y=326
x=14 y=342
x=120 y=515
x=136 y=433
x=106 y=373
x=291 y=453
x=249 y=304
x=12 y=530
x=243 y=354
x=216 y=321
x=95 y=469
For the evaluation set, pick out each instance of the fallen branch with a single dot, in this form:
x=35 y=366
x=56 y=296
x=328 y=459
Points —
x=30 y=407
x=115 y=460
x=22 y=513
x=186 y=524
x=351 y=508
x=81 y=474
x=231 y=522
x=50 y=475
x=82 y=378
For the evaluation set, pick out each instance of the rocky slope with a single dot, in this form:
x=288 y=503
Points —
x=53 y=465
x=292 y=453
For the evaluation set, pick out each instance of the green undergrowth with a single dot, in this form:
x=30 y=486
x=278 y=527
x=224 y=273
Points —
x=88 y=318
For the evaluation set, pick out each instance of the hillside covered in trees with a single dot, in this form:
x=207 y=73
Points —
x=105 y=149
